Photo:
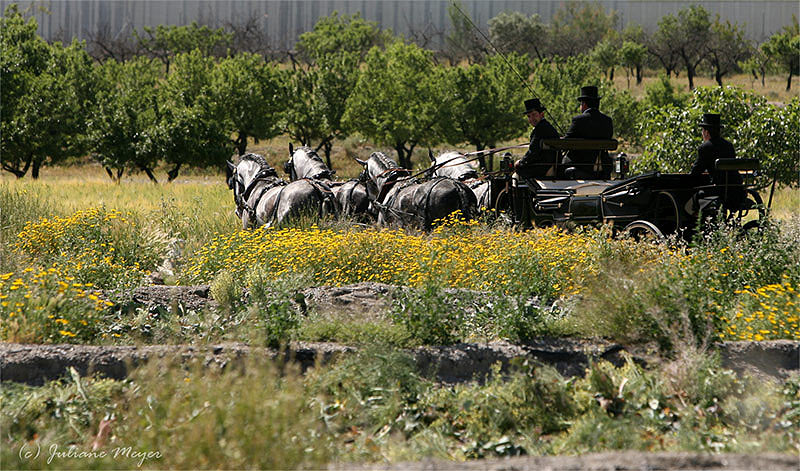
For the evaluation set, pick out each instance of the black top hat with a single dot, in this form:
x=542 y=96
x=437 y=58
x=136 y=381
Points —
x=710 y=120
x=533 y=105
x=589 y=92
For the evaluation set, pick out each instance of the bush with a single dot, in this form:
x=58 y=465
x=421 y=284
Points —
x=757 y=129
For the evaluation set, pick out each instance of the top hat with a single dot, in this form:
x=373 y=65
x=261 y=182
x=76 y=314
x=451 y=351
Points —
x=533 y=105
x=710 y=120
x=589 y=92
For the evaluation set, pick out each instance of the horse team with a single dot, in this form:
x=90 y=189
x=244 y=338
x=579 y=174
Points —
x=384 y=192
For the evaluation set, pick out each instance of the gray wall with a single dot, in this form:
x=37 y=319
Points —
x=285 y=20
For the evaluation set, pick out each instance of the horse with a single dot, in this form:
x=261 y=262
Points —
x=263 y=198
x=403 y=200
x=454 y=165
x=351 y=195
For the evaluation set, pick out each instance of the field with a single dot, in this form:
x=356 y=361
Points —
x=75 y=245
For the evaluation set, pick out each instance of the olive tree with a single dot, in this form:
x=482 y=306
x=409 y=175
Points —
x=683 y=38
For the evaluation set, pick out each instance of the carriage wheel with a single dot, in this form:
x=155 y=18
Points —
x=643 y=230
x=667 y=215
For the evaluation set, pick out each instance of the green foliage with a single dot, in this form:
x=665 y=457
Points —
x=662 y=94
x=632 y=56
x=190 y=130
x=47 y=94
x=484 y=101
x=784 y=49
x=125 y=115
x=252 y=96
x=334 y=35
x=578 y=26
x=726 y=48
x=275 y=305
x=683 y=39
x=606 y=54
x=394 y=102
x=757 y=129
x=514 y=32
x=165 y=41
x=691 y=299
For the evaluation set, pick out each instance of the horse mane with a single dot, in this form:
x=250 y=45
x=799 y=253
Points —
x=260 y=160
x=384 y=160
x=311 y=153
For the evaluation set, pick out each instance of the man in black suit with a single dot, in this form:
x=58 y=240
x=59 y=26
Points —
x=538 y=162
x=590 y=124
x=715 y=147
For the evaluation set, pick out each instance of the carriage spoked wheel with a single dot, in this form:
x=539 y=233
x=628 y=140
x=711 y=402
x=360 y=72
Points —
x=642 y=230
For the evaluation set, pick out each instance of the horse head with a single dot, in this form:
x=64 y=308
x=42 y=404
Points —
x=241 y=177
x=380 y=172
x=304 y=162
x=453 y=165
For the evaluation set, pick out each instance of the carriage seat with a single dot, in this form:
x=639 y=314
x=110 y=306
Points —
x=576 y=187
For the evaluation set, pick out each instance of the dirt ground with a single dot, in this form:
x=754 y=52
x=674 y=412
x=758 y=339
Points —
x=609 y=461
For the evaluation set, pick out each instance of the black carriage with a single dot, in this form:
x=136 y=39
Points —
x=653 y=204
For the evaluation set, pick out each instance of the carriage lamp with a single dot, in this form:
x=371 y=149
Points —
x=507 y=163
x=621 y=165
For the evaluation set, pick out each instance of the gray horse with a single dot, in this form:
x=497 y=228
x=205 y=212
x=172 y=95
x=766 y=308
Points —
x=407 y=201
x=454 y=165
x=262 y=198
x=351 y=195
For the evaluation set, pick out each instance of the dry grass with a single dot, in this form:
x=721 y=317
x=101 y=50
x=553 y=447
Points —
x=774 y=88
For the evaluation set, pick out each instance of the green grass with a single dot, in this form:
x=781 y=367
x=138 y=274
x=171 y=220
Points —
x=374 y=406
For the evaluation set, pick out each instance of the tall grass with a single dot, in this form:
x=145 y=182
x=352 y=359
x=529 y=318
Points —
x=376 y=407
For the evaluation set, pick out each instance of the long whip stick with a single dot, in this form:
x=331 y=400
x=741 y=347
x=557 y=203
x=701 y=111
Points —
x=510 y=65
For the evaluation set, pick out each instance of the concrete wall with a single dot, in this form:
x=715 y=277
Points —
x=285 y=20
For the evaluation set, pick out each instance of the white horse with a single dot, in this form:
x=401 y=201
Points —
x=351 y=195
x=406 y=201
x=262 y=198
x=454 y=165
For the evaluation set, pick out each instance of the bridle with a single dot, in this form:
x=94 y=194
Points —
x=243 y=195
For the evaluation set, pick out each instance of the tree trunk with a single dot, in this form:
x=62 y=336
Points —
x=37 y=165
x=718 y=77
x=241 y=143
x=690 y=75
x=789 y=81
x=611 y=74
x=638 y=75
x=114 y=178
x=149 y=173
x=173 y=174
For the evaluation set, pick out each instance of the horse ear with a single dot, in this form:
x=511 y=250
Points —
x=430 y=155
x=362 y=162
x=291 y=149
x=230 y=167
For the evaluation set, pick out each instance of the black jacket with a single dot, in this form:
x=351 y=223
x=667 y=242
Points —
x=707 y=155
x=591 y=124
x=537 y=161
